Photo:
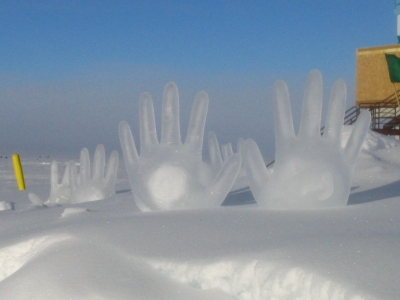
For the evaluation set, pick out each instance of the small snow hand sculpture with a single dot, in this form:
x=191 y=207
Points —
x=169 y=174
x=60 y=193
x=99 y=184
x=83 y=186
x=310 y=170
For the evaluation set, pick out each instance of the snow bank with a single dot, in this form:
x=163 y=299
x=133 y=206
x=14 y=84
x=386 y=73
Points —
x=108 y=249
x=256 y=280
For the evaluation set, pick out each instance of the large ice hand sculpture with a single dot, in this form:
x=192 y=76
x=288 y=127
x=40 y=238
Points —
x=169 y=174
x=83 y=186
x=310 y=170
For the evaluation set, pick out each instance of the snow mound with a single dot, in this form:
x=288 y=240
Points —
x=73 y=211
x=373 y=141
x=14 y=257
x=6 y=205
x=383 y=148
x=256 y=280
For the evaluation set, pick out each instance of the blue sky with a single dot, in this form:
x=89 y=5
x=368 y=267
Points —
x=71 y=70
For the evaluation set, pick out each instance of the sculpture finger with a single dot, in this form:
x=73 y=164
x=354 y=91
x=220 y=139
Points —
x=239 y=145
x=224 y=180
x=65 y=179
x=148 y=131
x=170 y=127
x=84 y=169
x=73 y=175
x=53 y=177
x=310 y=124
x=99 y=163
x=227 y=151
x=128 y=146
x=197 y=123
x=284 y=129
x=214 y=152
x=112 y=169
x=255 y=168
x=334 y=117
x=357 y=136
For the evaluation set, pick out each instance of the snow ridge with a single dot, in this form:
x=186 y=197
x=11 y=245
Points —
x=258 y=280
x=14 y=257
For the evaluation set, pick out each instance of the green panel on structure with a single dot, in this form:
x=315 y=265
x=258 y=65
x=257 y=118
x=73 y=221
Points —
x=394 y=67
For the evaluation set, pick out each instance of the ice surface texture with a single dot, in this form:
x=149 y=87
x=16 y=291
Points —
x=170 y=174
x=310 y=170
x=83 y=186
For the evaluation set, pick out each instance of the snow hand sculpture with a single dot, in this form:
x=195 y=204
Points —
x=310 y=170
x=60 y=193
x=99 y=184
x=170 y=174
x=83 y=186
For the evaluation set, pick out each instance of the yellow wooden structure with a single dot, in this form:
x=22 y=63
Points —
x=372 y=76
x=374 y=89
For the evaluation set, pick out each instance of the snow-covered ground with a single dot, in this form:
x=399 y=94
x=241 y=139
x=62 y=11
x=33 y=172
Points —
x=108 y=249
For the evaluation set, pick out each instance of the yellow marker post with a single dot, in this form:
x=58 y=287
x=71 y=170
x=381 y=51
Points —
x=19 y=174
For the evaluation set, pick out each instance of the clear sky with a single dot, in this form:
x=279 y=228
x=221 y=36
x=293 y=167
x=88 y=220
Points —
x=71 y=70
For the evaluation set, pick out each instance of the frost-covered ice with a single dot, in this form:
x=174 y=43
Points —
x=170 y=174
x=310 y=170
x=108 y=249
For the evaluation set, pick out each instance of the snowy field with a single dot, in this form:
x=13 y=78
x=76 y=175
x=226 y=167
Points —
x=108 y=249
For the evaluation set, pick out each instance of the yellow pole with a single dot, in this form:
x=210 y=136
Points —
x=19 y=174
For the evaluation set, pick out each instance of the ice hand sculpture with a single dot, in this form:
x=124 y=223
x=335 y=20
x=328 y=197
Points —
x=82 y=186
x=219 y=155
x=310 y=170
x=60 y=193
x=170 y=174
x=99 y=184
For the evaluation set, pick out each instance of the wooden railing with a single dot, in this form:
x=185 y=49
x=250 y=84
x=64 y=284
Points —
x=385 y=115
